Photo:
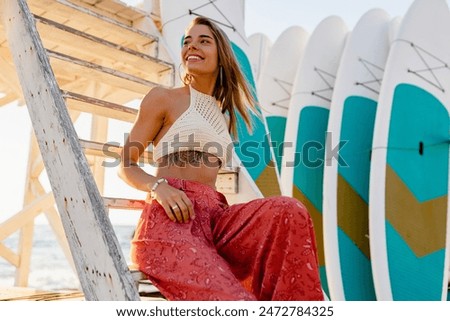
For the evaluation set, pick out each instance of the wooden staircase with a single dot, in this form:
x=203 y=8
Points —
x=77 y=57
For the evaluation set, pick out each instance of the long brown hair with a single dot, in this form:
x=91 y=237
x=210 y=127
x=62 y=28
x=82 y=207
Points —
x=231 y=89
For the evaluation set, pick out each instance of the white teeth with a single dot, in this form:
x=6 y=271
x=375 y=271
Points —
x=190 y=58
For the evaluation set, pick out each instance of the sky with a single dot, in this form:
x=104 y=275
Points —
x=270 y=17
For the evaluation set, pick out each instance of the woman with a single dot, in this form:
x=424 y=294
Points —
x=189 y=242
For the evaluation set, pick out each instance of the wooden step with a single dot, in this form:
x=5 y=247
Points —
x=108 y=150
x=68 y=40
x=99 y=107
x=123 y=203
x=144 y=286
x=94 y=50
x=227 y=179
x=97 y=22
x=116 y=9
x=69 y=69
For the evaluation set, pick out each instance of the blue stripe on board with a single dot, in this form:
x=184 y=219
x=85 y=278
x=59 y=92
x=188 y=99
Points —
x=418 y=117
x=323 y=279
x=356 y=271
x=310 y=153
x=357 y=126
x=277 y=126
x=253 y=148
x=358 y=120
x=413 y=279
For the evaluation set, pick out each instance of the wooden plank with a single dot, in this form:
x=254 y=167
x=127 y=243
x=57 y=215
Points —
x=70 y=40
x=7 y=99
x=106 y=150
x=90 y=71
x=25 y=248
x=15 y=292
x=228 y=182
x=9 y=255
x=99 y=107
x=108 y=12
x=56 y=225
x=8 y=75
x=26 y=294
x=24 y=216
x=74 y=15
x=99 y=132
x=100 y=264
x=123 y=203
x=113 y=7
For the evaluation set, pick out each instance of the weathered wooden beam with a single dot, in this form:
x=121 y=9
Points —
x=25 y=248
x=9 y=255
x=99 y=107
x=56 y=225
x=8 y=75
x=24 y=216
x=136 y=82
x=101 y=267
x=9 y=98
x=99 y=132
x=107 y=150
x=123 y=203
x=81 y=41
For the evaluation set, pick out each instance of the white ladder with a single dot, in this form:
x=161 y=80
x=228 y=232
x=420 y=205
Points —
x=50 y=88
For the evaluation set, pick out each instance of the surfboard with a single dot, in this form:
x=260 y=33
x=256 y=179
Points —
x=347 y=170
x=307 y=120
x=257 y=174
x=259 y=48
x=276 y=81
x=408 y=202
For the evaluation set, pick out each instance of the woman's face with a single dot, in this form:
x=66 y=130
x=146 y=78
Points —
x=199 y=53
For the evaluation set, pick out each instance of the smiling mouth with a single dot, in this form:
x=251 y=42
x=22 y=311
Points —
x=194 y=58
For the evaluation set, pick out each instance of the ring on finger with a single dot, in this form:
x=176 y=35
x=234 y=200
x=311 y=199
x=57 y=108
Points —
x=174 y=207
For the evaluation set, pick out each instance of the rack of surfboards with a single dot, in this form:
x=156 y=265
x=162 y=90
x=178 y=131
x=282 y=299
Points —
x=366 y=148
x=355 y=124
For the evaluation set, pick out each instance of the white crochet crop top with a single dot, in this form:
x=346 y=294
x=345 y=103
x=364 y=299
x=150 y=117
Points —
x=202 y=127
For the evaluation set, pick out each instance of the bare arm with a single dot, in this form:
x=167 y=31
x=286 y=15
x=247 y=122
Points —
x=150 y=120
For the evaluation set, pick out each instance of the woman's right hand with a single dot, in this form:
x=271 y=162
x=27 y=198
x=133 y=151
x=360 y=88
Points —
x=177 y=205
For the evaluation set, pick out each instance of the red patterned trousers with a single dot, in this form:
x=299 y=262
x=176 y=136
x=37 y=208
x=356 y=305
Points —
x=261 y=250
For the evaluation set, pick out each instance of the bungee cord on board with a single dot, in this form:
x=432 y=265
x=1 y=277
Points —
x=194 y=12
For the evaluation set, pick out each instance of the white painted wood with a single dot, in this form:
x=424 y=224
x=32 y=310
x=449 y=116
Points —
x=99 y=132
x=99 y=107
x=101 y=268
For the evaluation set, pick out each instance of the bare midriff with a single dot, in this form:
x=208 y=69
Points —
x=190 y=165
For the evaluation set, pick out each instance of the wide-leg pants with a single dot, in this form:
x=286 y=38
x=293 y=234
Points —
x=261 y=250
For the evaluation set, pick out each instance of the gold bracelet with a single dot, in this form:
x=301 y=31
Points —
x=155 y=186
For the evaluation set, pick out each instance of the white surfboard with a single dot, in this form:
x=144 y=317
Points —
x=303 y=159
x=347 y=171
x=276 y=81
x=259 y=48
x=257 y=174
x=408 y=202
